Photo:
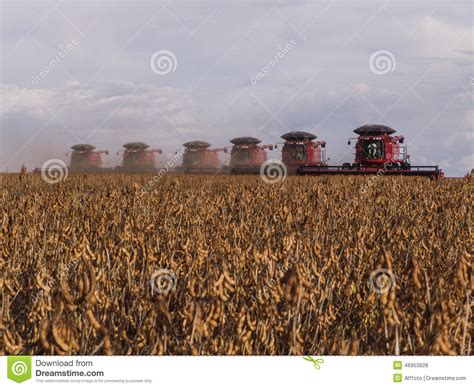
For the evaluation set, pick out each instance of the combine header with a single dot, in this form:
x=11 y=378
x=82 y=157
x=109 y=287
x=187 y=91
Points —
x=300 y=149
x=85 y=159
x=376 y=152
x=198 y=158
x=138 y=158
x=247 y=155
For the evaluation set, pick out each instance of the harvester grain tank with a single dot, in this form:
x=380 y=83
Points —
x=377 y=151
x=199 y=158
x=137 y=157
x=247 y=155
x=301 y=149
x=84 y=158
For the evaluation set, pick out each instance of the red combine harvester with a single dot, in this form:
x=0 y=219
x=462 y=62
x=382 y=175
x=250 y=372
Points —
x=376 y=152
x=85 y=159
x=138 y=158
x=247 y=155
x=300 y=149
x=199 y=159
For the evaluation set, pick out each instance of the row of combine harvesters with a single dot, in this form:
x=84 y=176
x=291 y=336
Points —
x=376 y=149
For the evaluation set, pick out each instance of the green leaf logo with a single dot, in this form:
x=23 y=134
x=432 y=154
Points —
x=19 y=368
x=316 y=361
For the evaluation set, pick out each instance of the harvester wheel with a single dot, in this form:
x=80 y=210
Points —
x=346 y=166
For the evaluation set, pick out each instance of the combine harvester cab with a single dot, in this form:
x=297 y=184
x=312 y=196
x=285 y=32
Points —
x=247 y=155
x=138 y=158
x=377 y=152
x=85 y=159
x=301 y=149
x=198 y=158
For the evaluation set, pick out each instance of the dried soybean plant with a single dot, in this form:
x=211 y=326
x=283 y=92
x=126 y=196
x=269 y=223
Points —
x=311 y=266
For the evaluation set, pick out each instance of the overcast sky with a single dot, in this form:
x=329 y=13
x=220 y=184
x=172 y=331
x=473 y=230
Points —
x=97 y=72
